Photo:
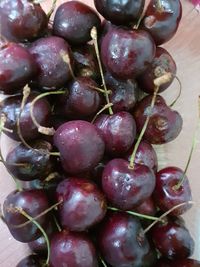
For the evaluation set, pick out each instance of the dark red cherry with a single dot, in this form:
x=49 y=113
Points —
x=166 y=193
x=178 y=263
x=17 y=67
x=121 y=241
x=33 y=202
x=120 y=12
x=147 y=207
x=162 y=19
x=74 y=21
x=172 y=239
x=127 y=188
x=31 y=261
x=52 y=55
x=127 y=53
x=72 y=249
x=146 y=155
x=81 y=100
x=162 y=63
x=29 y=164
x=11 y=106
x=83 y=204
x=165 y=124
x=22 y=20
x=80 y=144
x=124 y=94
x=86 y=62
x=118 y=131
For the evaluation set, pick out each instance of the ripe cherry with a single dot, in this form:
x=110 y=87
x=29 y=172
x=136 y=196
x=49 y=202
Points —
x=178 y=263
x=148 y=207
x=31 y=261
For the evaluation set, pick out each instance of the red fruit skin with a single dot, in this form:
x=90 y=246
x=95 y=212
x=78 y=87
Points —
x=22 y=20
x=74 y=20
x=126 y=53
x=147 y=207
x=83 y=204
x=164 y=125
x=17 y=68
x=162 y=62
x=172 y=239
x=31 y=261
x=162 y=21
x=72 y=249
x=127 y=188
x=178 y=263
x=81 y=146
x=167 y=196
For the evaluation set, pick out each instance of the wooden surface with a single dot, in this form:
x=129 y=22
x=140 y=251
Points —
x=185 y=48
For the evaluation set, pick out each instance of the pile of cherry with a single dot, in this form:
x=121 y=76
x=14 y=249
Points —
x=89 y=192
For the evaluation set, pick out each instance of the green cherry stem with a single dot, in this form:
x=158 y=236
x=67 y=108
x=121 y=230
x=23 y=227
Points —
x=179 y=93
x=101 y=110
x=52 y=9
x=103 y=262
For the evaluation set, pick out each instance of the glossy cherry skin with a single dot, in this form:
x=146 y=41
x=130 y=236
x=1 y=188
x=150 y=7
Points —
x=162 y=63
x=162 y=19
x=127 y=53
x=120 y=12
x=80 y=144
x=22 y=20
x=35 y=163
x=31 y=261
x=118 y=131
x=145 y=155
x=166 y=195
x=147 y=207
x=83 y=204
x=121 y=241
x=86 y=64
x=72 y=249
x=33 y=202
x=17 y=67
x=165 y=124
x=81 y=100
x=51 y=54
x=178 y=263
x=124 y=187
x=172 y=239
x=74 y=20
x=124 y=94
x=11 y=106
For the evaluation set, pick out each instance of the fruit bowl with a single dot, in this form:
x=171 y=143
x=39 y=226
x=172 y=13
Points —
x=184 y=48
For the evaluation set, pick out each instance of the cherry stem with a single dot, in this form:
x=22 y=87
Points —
x=41 y=129
x=142 y=216
x=103 y=262
x=167 y=213
x=94 y=36
x=157 y=82
x=41 y=229
x=54 y=154
x=66 y=59
x=52 y=9
x=2 y=124
x=99 y=89
x=101 y=110
x=56 y=223
x=193 y=147
x=179 y=94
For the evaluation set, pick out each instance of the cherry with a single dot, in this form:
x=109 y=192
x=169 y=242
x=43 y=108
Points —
x=80 y=145
x=162 y=19
x=82 y=100
x=163 y=62
x=127 y=188
x=72 y=249
x=74 y=21
x=123 y=95
x=22 y=20
x=178 y=263
x=118 y=131
x=17 y=67
x=31 y=261
x=83 y=204
x=120 y=12
x=55 y=61
x=121 y=241
x=147 y=207
x=33 y=202
x=172 y=239
x=85 y=62
x=29 y=164
x=127 y=53
x=164 y=125
x=11 y=106
x=166 y=193
x=146 y=155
